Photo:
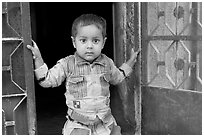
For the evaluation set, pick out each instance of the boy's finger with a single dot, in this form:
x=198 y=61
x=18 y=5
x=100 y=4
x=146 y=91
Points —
x=34 y=44
x=29 y=47
x=132 y=51
x=138 y=51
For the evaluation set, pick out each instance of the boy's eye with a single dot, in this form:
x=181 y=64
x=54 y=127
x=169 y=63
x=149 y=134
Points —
x=96 y=41
x=82 y=40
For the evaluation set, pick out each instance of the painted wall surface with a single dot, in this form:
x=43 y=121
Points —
x=171 y=112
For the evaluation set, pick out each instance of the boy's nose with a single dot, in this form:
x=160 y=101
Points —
x=89 y=44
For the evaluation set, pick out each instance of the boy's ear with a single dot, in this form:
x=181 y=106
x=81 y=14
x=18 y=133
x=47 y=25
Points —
x=73 y=41
x=104 y=41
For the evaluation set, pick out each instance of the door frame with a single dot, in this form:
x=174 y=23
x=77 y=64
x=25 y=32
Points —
x=17 y=28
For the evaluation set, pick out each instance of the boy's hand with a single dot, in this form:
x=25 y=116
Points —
x=35 y=50
x=133 y=57
x=36 y=55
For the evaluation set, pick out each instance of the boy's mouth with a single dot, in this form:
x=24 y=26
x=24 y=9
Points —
x=89 y=53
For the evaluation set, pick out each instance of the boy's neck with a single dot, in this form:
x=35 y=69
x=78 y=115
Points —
x=91 y=62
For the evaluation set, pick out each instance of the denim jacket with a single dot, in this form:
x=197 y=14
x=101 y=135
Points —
x=87 y=85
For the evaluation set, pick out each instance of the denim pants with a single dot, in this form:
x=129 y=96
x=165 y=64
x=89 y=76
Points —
x=75 y=128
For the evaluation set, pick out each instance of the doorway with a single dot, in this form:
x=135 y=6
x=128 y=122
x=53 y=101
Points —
x=51 y=29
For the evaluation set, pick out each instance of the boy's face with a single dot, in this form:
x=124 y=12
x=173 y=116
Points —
x=89 y=42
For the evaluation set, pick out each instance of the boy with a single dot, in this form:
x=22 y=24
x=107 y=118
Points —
x=87 y=73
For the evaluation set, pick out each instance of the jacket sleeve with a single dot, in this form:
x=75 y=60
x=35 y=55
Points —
x=51 y=77
x=119 y=74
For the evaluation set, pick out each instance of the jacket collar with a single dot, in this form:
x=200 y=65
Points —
x=99 y=60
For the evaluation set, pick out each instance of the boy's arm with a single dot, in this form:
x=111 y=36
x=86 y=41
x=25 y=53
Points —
x=51 y=77
x=47 y=78
x=119 y=74
x=126 y=68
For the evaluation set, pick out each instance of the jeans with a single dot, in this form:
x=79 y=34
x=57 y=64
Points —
x=75 y=128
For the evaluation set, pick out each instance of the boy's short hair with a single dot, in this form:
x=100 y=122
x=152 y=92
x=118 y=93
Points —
x=89 y=19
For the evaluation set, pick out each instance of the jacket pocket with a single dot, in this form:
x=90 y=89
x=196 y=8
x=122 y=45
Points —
x=75 y=80
x=104 y=79
x=77 y=86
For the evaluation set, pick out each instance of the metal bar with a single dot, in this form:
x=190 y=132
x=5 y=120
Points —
x=4 y=7
x=176 y=89
x=29 y=75
x=6 y=68
x=194 y=46
x=13 y=95
x=137 y=39
x=175 y=38
x=9 y=123
x=144 y=42
x=12 y=39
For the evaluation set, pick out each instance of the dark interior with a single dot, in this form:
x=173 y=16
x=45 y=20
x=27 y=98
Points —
x=51 y=30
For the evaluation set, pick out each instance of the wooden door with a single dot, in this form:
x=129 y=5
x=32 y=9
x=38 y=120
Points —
x=171 y=78
x=127 y=36
x=18 y=98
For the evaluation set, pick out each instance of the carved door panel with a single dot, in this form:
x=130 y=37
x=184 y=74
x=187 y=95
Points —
x=127 y=36
x=18 y=98
x=171 y=68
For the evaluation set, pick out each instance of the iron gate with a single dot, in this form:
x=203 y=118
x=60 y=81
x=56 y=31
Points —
x=171 y=68
x=18 y=99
